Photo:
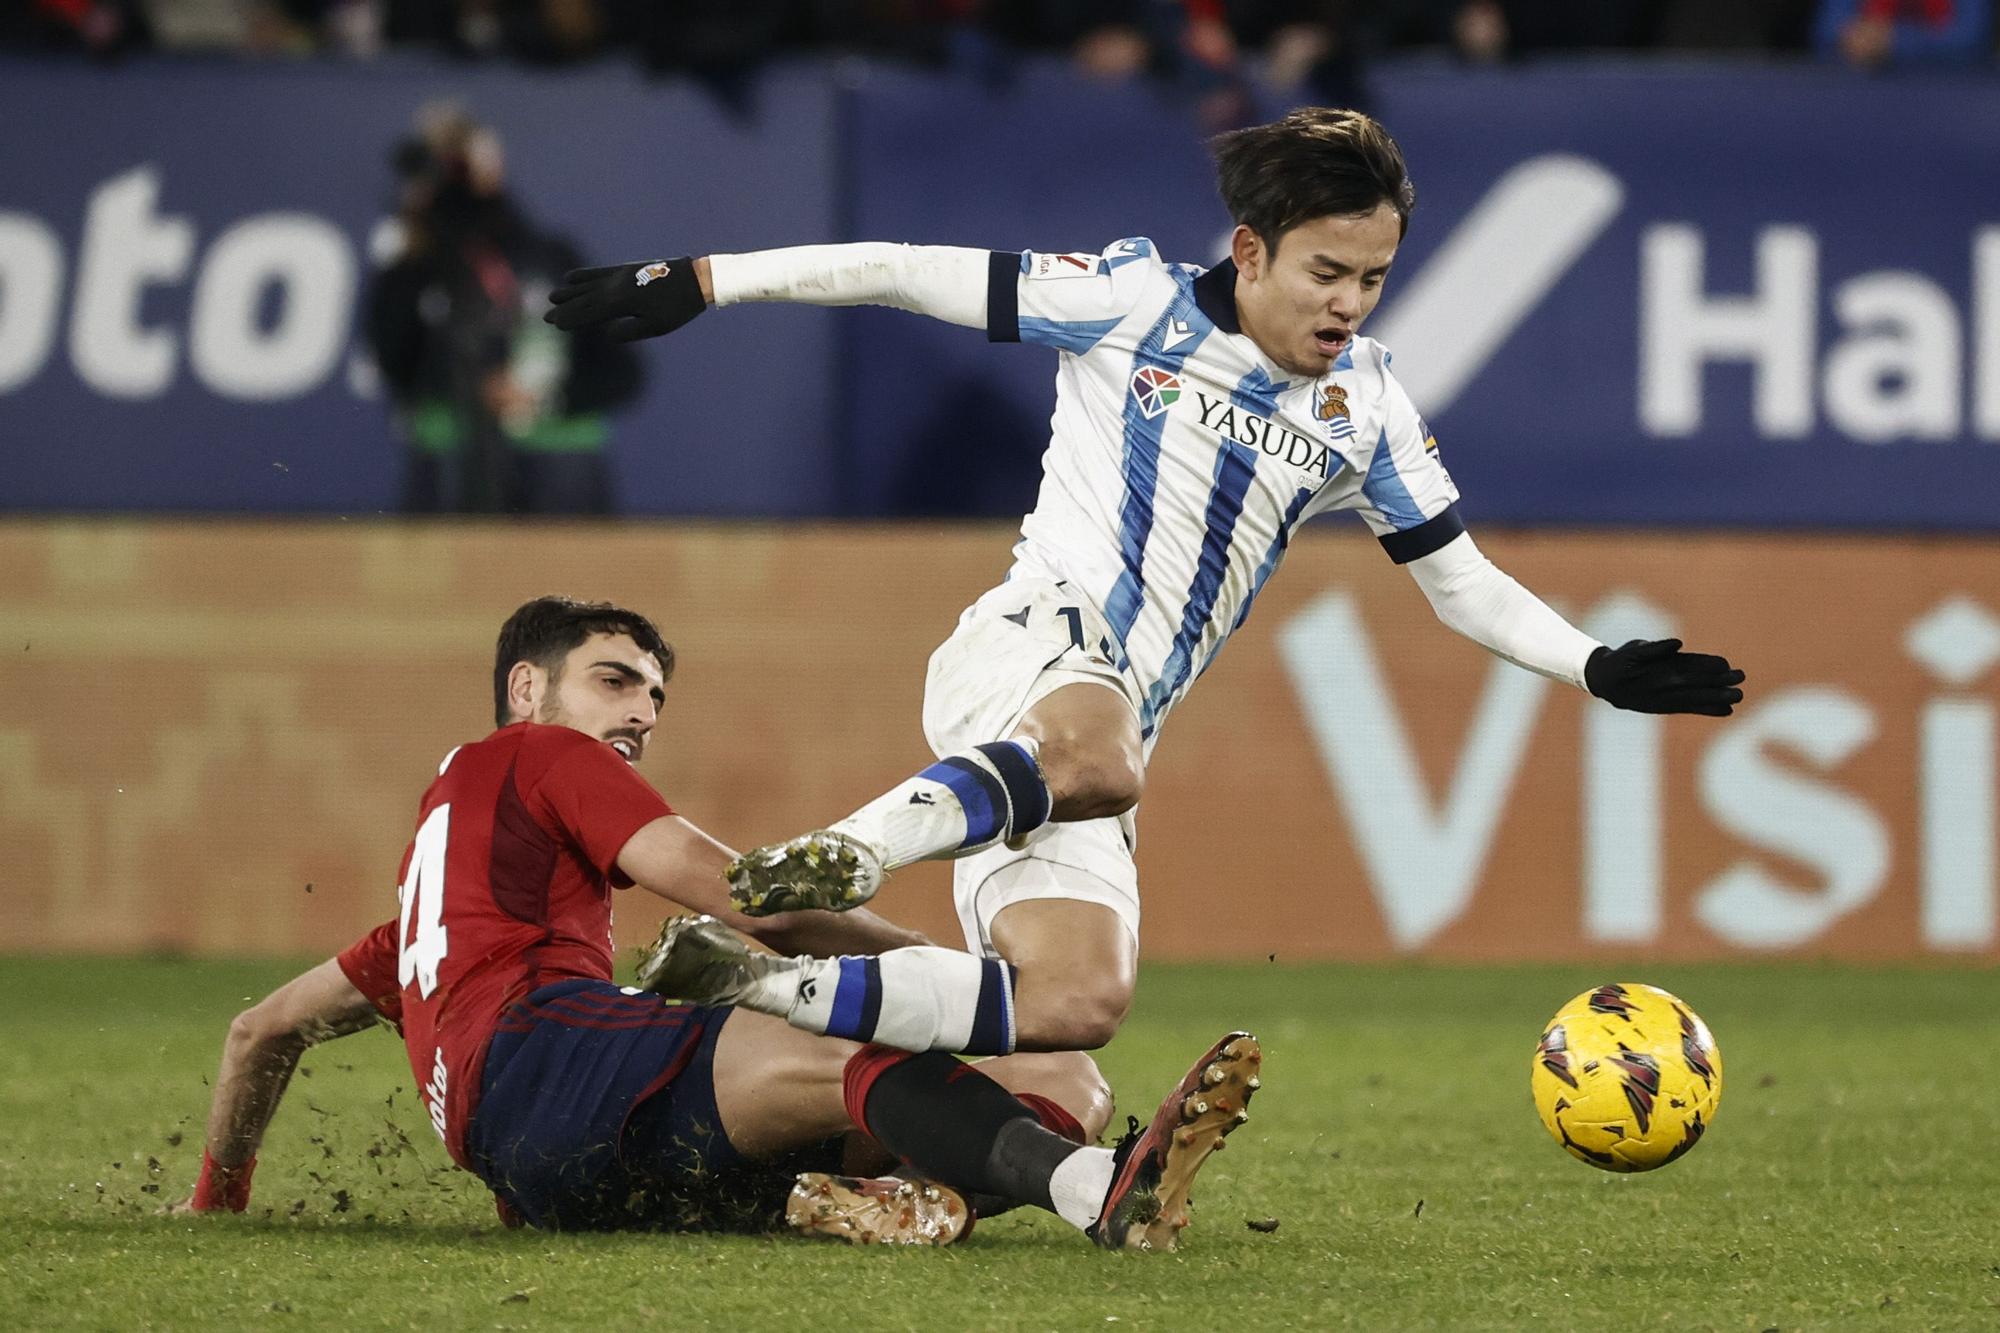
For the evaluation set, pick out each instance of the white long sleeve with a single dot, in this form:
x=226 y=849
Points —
x=1477 y=599
x=946 y=282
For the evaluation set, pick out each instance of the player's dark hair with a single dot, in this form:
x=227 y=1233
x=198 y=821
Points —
x=1317 y=162
x=546 y=630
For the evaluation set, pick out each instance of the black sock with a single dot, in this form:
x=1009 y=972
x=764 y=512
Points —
x=1024 y=1156
x=956 y=1125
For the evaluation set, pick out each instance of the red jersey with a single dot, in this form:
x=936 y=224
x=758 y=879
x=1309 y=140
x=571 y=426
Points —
x=505 y=888
x=370 y=963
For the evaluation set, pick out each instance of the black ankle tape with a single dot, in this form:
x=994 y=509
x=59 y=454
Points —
x=1027 y=793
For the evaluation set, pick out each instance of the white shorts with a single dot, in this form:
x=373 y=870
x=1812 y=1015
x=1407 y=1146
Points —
x=1014 y=647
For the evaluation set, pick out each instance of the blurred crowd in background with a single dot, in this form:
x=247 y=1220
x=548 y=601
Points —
x=497 y=414
x=1316 y=45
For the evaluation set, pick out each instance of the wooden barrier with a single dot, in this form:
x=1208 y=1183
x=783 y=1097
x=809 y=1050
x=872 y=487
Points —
x=213 y=735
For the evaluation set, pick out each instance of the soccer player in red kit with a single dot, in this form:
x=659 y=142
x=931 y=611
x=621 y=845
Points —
x=583 y=1104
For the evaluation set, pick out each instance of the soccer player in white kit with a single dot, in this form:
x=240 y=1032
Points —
x=1200 y=418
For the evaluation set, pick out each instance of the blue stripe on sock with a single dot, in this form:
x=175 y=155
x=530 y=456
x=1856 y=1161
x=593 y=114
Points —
x=853 y=1017
x=993 y=1020
x=1027 y=793
x=979 y=794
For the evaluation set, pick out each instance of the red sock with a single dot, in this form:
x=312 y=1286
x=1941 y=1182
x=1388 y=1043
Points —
x=954 y=1124
x=1053 y=1117
x=863 y=1068
x=222 y=1187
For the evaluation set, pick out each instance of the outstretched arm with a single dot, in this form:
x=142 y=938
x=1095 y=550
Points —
x=679 y=862
x=1474 y=597
x=943 y=281
x=263 y=1048
x=645 y=300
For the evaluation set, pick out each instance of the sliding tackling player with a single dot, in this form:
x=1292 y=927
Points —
x=583 y=1104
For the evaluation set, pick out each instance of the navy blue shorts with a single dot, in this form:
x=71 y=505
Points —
x=597 y=1112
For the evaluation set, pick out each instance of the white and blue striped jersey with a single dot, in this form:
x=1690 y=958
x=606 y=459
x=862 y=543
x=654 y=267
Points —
x=1182 y=460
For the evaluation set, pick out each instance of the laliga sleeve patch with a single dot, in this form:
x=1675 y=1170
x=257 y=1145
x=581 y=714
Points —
x=1043 y=268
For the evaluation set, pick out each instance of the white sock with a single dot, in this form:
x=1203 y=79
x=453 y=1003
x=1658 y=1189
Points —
x=1078 y=1185
x=801 y=984
x=928 y=815
x=920 y=999
x=911 y=822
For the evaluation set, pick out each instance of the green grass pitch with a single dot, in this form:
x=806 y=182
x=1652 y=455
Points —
x=1850 y=1179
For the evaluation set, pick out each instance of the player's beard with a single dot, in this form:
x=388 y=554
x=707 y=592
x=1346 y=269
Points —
x=552 y=714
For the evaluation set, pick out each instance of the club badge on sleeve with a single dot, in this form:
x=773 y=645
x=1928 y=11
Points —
x=1079 y=265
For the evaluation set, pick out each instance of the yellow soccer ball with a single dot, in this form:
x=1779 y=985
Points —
x=1626 y=1077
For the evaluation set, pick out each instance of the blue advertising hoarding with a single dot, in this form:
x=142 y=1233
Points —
x=183 y=252
x=1690 y=295
x=1631 y=295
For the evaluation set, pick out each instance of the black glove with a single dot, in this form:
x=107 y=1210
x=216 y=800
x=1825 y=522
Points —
x=1655 y=676
x=633 y=301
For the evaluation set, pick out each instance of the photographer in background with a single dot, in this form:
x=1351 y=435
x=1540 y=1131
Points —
x=501 y=414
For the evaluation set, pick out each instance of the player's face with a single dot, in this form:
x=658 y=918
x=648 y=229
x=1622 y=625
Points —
x=1303 y=303
x=610 y=688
